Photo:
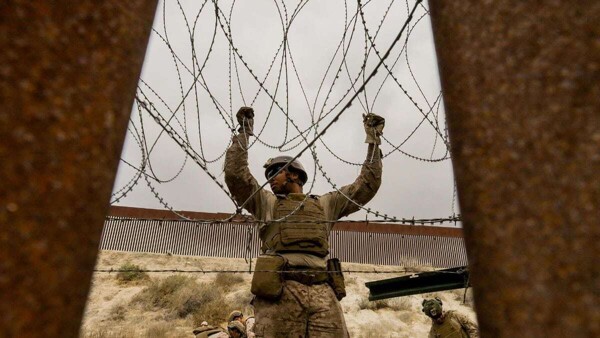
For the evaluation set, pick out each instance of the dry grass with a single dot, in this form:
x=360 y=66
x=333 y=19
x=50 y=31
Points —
x=213 y=312
x=394 y=304
x=350 y=281
x=399 y=304
x=118 y=312
x=159 y=330
x=366 y=304
x=462 y=297
x=131 y=274
x=231 y=295
x=182 y=297
x=172 y=305
x=227 y=281
x=104 y=333
x=376 y=331
x=178 y=294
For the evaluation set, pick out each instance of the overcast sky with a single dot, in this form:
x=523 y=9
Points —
x=314 y=37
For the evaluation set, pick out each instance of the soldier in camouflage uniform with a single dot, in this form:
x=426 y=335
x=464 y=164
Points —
x=236 y=329
x=296 y=229
x=448 y=324
x=247 y=321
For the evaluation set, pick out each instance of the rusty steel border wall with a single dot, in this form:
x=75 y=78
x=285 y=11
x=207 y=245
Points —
x=181 y=237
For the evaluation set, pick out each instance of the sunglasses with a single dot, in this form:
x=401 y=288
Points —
x=271 y=173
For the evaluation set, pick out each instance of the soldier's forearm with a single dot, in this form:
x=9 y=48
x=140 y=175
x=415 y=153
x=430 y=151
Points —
x=370 y=173
x=237 y=174
x=366 y=184
x=373 y=154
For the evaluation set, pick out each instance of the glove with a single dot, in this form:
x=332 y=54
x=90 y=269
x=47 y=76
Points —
x=245 y=118
x=373 y=128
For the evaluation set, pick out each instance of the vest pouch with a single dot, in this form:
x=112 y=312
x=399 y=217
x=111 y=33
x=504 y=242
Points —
x=301 y=229
x=267 y=281
x=301 y=236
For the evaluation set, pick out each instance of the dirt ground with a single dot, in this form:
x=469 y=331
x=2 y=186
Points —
x=111 y=311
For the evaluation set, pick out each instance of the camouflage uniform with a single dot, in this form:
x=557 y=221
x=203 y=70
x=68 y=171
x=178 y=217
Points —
x=302 y=310
x=453 y=325
x=237 y=326
x=250 y=321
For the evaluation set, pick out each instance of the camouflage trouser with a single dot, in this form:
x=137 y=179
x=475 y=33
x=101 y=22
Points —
x=302 y=311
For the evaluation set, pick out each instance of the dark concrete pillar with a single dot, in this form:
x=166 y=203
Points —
x=68 y=73
x=522 y=93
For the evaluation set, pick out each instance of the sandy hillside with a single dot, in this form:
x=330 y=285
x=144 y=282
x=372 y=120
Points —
x=171 y=304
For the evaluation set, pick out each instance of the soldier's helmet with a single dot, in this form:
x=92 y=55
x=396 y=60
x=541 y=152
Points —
x=235 y=325
x=434 y=304
x=234 y=315
x=275 y=163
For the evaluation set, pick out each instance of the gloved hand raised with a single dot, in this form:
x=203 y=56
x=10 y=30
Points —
x=373 y=128
x=245 y=118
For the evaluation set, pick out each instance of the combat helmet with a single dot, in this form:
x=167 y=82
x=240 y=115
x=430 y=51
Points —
x=432 y=304
x=277 y=162
x=234 y=314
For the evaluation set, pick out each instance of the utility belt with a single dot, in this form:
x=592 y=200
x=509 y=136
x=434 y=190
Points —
x=272 y=270
x=304 y=276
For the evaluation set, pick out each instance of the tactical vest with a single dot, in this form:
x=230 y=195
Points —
x=300 y=232
x=450 y=328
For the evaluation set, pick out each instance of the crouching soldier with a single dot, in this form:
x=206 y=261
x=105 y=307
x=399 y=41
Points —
x=448 y=324
x=248 y=321
x=236 y=329
x=297 y=290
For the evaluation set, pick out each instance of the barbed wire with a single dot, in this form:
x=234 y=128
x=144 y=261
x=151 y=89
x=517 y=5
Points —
x=389 y=69
x=293 y=135
x=346 y=271
x=348 y=105
x=248 y=220
x=180 y=141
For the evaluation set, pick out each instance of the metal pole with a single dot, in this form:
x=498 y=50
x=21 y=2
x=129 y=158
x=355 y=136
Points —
x=522 y=92
x=68 y=73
